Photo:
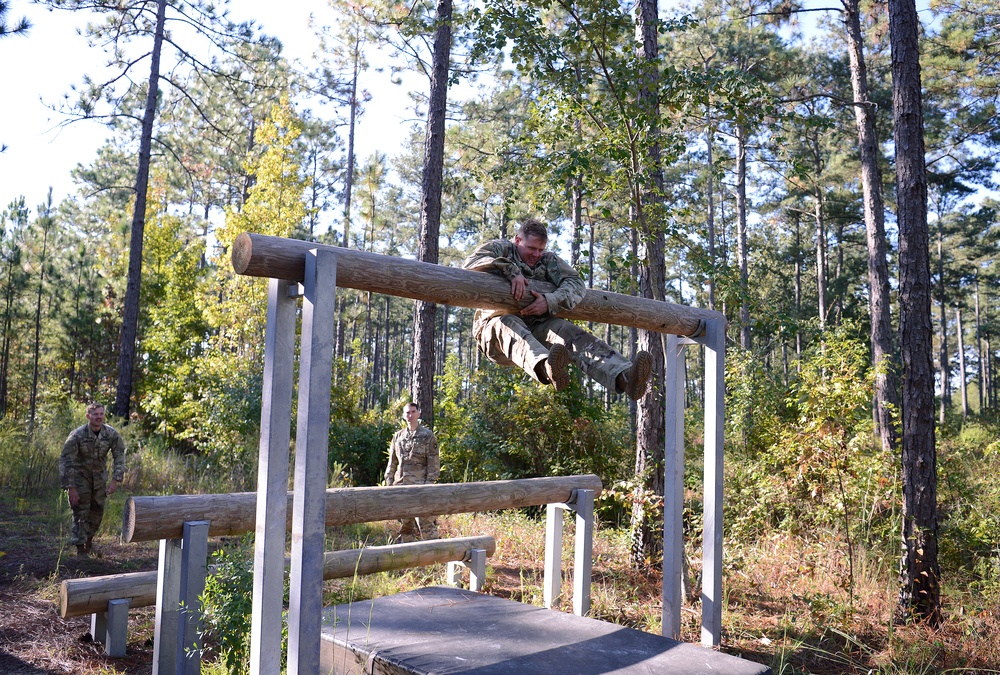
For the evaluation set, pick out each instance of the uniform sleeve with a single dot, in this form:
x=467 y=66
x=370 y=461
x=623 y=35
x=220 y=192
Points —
x=433 y=459
x=492 y=257
x=390 y=470
x=570 y=288
x=67 y=462
x=118 y=453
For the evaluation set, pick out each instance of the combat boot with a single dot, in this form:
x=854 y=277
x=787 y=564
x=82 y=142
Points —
x=557 y=366
x=634 y=380
x=82 y=551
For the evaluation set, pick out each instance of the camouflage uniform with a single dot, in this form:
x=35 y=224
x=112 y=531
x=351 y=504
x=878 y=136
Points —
x=524 y=341
x=413 y=460
x=83 y=465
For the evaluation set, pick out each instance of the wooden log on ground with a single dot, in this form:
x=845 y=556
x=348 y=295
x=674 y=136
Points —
x=279 y=258
x=163 y=517
x=79 y=597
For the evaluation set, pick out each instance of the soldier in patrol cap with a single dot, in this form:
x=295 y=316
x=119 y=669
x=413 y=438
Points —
x=83 y=468
x=413 y=460
x=537 y=340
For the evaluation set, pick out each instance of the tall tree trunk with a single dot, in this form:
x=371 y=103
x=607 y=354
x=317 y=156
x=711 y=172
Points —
x=352 y=126
x=647 y=537
x=45 y=219
x=944 y=359
x=961 y=365
x=130 y=319
x=742 y=247
x=798 y=284
x=820 y=257
x=710 y=196
x=882 y=342
x=920 y=574
x=430 y=211
x=980 y=368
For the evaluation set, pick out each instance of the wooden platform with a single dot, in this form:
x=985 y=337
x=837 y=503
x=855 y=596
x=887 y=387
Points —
x=445 y=630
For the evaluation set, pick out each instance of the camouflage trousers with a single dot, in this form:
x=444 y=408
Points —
x=418 y=528
x=507 y=340
x=89 y=512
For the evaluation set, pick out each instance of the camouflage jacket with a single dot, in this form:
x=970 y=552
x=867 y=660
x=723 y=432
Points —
x=500 y=257
x=413 y=457
x=87 y=453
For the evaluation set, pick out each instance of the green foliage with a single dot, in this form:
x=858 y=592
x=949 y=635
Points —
x=361 y=449
x=227 y=603
x=824 y=469
x=502 y=425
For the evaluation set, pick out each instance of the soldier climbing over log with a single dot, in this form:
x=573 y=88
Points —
x=537 y=340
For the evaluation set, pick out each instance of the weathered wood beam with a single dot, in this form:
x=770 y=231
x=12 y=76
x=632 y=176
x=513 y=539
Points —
x=278 y=258
x=78 y=597
x=163 y=517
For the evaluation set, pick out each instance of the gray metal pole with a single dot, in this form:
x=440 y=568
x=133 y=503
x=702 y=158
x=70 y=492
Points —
x=194 y=567
x=552 y=575
x=715 y=405
x=168 y=598
x=583 y=558
x=673 y=499
x=272 y=480
x=305 y=604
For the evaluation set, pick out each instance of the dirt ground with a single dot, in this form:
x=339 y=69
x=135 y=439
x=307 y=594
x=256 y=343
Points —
x=34 y=561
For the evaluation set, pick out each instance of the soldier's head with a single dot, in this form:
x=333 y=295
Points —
x=95 y=415
x=530 y=241
x=411 y=413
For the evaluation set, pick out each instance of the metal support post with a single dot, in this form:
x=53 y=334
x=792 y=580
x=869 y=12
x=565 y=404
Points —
x=99 y=626
x=715 y=401
x=168 y=599
x=272 y=480
x=476 y=562
x=305 y=603
x=583 y=559
x=552 y=579
x=194 y=567
x=583 y=555
x=673 y=499
x=117 y=625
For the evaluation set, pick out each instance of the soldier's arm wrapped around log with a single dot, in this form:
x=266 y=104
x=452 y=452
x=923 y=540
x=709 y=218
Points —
x=570 y=288
x=496 y=257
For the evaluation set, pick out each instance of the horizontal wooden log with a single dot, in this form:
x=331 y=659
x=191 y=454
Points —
x=78 y=597
x=163 y=517
x=275 y=257
x=88 y=595
x=373 y=559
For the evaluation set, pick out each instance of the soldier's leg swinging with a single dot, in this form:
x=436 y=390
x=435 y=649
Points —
x=96 y=515
x=508 y=341
x=590 y=354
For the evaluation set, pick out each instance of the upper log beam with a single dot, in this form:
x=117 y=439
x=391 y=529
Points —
x=260 y=255
x=163 y=517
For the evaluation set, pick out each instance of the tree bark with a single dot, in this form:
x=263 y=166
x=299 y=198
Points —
x=742 y=248
x=647 y=538
x=882 y=343
x=944 y=360
x=130 y=319
x=430 y=211
x=920 y=574
x=46 y=220
x=352 y=124
x=961 y=365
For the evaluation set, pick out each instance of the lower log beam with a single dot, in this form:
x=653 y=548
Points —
x=79 y=597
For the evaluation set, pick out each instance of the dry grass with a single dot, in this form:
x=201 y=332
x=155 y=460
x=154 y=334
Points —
x=788 y=602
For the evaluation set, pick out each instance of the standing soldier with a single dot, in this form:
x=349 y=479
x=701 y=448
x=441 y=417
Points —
x=537 y=340
x=83 y=474
x=413 y=460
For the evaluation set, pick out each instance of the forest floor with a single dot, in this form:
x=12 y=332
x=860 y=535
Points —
x=785 y=605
